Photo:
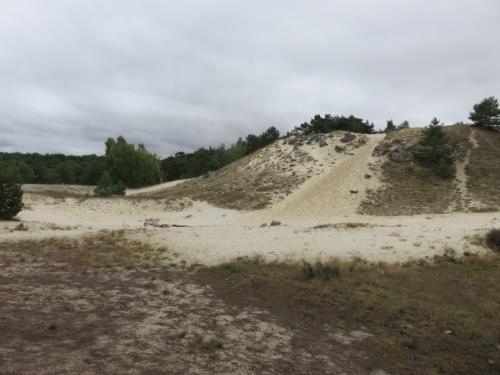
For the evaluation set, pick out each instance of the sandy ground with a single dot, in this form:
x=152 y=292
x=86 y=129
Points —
x=318 y=220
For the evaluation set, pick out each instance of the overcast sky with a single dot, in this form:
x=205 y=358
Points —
x=177 y=75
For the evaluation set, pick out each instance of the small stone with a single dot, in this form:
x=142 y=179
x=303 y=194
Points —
x=275 y=223
x=368 y=176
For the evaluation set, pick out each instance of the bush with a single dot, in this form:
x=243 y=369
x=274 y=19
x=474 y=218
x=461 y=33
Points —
x=106 y=187
x=493 y=239
x=435 y=151
x=320 y=271
x=11 y=200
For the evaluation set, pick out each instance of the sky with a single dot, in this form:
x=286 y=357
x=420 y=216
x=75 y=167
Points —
x=180 y=74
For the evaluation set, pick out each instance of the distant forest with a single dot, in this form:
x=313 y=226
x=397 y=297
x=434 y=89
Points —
x=135 y=166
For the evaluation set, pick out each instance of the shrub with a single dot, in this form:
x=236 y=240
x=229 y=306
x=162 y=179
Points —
x=435 y=151
x=493 y=239
x=11 y=200
x=106 y=187
x=320 y=271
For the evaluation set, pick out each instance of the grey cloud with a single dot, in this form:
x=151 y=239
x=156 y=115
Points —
x=177 y=75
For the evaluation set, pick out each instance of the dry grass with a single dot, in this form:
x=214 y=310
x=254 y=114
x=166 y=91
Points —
x=410 y=189
x=421 y=318
x=484 y=170
x=250 y=183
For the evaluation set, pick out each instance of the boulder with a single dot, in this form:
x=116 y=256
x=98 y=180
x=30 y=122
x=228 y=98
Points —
x=411 y=143
x=398 y=156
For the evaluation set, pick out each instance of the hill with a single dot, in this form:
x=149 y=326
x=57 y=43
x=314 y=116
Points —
x=337 y=174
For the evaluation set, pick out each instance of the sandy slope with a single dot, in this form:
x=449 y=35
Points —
x=335 y=193
x=214 y=235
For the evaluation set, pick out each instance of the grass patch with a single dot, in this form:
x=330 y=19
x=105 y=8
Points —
x=410 y=189
x=424 y=318
x=483 y=170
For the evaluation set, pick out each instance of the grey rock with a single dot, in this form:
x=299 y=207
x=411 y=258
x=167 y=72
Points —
x=323 y=143
x=275 y=223
x=398 y=156
x=339 y=149
x=410 y=144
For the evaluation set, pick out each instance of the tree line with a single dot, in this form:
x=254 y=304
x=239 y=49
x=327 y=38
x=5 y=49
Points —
x=134 y=166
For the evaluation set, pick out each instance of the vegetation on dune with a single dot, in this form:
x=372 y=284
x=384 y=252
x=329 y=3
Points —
x=435 y=151
x=486 y=114
x=421 y=318
x=391 y=127
x=106 y=187
x=329 y=123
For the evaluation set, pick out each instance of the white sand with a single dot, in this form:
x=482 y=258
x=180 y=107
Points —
x=217 y=235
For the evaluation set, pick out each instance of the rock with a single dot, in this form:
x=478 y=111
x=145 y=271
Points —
x=410 y=144
x=323 y=143
x=263 y=225
x=275 y=223
x=348 y=137
x=398 y=156
x=368 y=176
x=354 y=191
x=339 y=149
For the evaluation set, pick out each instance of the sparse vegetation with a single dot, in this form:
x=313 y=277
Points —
x=420 y=317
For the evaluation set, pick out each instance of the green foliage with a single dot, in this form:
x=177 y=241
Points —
x=106 y=187
x=435 y=151
x=486 y=114
x=135 y=166
x=390 y=127
x=203 y=160
x=51 y=168
x=493 y=239
x=11 y=200
x=319 y=124
x=404 y=125
x=255 y=142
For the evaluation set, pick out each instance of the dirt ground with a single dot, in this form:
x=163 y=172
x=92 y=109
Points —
x=105 y=306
